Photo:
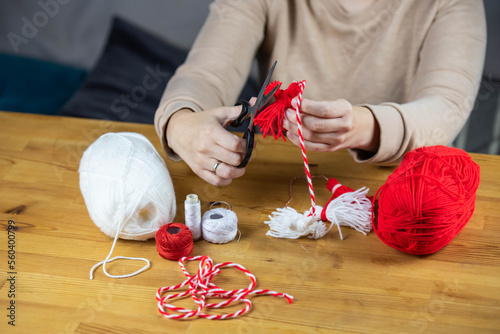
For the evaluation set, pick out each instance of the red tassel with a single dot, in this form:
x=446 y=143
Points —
x=270 y=120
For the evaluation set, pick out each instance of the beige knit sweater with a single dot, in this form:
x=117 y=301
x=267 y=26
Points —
x=416 y=64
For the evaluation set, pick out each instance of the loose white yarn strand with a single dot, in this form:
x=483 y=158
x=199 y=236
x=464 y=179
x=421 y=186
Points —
x=107 y=260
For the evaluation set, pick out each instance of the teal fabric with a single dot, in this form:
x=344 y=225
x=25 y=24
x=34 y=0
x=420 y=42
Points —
x=36 y=86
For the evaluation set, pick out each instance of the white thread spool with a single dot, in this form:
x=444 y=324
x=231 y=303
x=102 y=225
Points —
x=219 y=225
x=192 y=215
x=127 y=189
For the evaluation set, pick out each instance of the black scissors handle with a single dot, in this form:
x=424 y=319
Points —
x=245 y=109
x=249 y=136
x=249 y=133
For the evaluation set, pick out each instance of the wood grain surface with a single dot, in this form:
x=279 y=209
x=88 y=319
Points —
x=358 y=285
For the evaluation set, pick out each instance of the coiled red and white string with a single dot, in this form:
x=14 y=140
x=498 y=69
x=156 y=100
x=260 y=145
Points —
x=296 y=104
x=201 y=288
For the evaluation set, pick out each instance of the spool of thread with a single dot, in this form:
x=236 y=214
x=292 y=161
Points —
x=174 y=241
x=219 y=225
x=192 y=215
x=427 y=200
x=127 y=190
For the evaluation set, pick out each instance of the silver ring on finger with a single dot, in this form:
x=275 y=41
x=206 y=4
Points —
x=214 y=169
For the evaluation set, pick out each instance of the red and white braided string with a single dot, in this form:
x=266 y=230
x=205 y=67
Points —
x=298 y=101
x=201 y=287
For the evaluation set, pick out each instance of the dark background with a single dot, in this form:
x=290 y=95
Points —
x=70 y=61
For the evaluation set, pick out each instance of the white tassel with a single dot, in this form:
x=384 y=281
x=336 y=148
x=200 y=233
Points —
x=288 y=223
x=351 y=209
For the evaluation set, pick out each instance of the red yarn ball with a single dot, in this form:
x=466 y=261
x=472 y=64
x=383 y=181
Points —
x=427 y=200
x=174 y=241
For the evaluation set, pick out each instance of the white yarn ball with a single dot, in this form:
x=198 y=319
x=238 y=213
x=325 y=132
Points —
x=219 y=225
x=126 y=186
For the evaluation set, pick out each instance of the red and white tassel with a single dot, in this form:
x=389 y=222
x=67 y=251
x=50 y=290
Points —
x=348 y=208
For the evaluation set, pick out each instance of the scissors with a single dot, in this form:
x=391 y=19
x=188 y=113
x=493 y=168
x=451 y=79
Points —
x=251 y=111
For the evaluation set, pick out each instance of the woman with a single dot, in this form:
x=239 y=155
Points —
x=383 y=77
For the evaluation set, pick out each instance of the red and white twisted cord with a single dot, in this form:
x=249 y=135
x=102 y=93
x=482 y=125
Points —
x=298 y=101
x=201 y=287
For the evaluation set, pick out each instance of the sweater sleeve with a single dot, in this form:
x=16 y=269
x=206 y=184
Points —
x=443 y=91
x=217 y=65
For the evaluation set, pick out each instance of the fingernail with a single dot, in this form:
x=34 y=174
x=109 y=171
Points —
x=287 y=112
x=290 y=135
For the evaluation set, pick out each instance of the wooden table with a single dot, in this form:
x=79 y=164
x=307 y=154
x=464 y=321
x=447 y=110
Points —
x=358 y=285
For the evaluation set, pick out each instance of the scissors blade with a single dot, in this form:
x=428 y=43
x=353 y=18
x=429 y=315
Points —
x=262 y=103
x=265 y=99
x=261 y=98
x=266 y=82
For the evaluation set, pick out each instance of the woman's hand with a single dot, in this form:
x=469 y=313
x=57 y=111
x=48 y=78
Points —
x=329 y=126
x=201 y=140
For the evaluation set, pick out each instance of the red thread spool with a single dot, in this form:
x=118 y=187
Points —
x=173 y=241
x=427 y=200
